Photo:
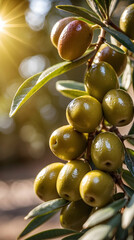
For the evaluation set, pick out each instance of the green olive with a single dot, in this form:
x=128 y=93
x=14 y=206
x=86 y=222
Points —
x=74 y=40
x=107 y=152
x=58 y=28
x=118 y=107
x=66 y=143
x=97 y=188
x=74 y=215
x=117 y=60
x=84 y=113
x=45 y=182
x=69 y=179
x=99 y=79
x=127 y=21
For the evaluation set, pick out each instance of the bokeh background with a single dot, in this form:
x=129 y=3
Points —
x=25 y=49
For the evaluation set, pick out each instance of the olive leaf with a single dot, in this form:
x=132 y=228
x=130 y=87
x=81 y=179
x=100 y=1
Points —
x=113 y=5
x=97 y=7
x=34 y=83
x=129 y=160
x=114 y=47
x=103 y=231
x=128 y=214
x=128 y=190
x=71 y=89
x=47 y=207
x=127 y=76
x=49 y=234
x=131 y=131
x=121 y=233
x=105 y=213
x=36 y=222
x=129 y=179
x=121 y=37
x=82 y=12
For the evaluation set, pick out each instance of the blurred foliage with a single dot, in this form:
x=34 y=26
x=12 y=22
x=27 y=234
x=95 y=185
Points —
x=25 y=49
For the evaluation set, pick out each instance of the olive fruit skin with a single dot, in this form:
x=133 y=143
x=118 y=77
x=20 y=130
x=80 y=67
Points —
x=99 y=79
x=74 y=40
x=58 y=28
x=117 y=60
x=74 y=215
x=127 y=21
x=118 y=107
x=66 y=143
x=45 y=182
x=69 y=179
x=107 y=151
x=97 y=188
x=84 y=113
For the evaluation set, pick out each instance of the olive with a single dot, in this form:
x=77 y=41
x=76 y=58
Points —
x=99 y=79
x=84 y=113
x=74 y=40
x=66 y=143
x=45 y=182
x=97 y=188
x=107 y=151
x=118 y=107
x=69 y=179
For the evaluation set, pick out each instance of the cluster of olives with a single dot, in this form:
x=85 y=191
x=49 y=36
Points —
x=86 y=179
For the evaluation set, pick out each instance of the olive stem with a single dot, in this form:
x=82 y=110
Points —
x=115 y=130
x=101 y=40
x=118 y=181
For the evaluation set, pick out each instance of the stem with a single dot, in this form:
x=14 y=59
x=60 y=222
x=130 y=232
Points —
x=101 y=40
x=118 y=181
x=131 y=136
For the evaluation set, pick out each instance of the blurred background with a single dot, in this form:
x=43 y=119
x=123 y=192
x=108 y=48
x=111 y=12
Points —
x=25 y=49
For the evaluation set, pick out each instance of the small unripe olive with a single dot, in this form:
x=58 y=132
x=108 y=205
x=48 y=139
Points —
x=97 y=188
x=74 y=40
x=107 y=151
x=58 y=28
x=117 y=60
x=127 y=21
x=66 y=143
x=45 y=182
x=99 y=79
x=84 y=113
x=69 y=179
x=118 y=107
x=74 y=215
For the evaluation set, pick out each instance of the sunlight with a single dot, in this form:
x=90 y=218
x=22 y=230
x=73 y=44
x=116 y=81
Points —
x=2 y=24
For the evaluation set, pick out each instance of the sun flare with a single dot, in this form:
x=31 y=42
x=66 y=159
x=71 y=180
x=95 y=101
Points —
x=2 y=24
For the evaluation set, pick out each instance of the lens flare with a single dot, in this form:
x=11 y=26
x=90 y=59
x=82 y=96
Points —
x=2 y=24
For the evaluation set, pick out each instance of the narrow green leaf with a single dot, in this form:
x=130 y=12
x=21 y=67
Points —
x=128 y=214
x=128 y=190
x=113 y=5
x=121 y=37
x=34 y=83
x=36 y=222
x=82 y=12
x=114 y=47
x=49 y=234
x=75 y=236
x=121 y=233
x=127 y=76
x=131 y=132
x=103 y=231
x=71 y=89
x=129 y=160
x=105 y=213
x=118 y=196
x=96 y=7
x=47 y=207
x=129 y=179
